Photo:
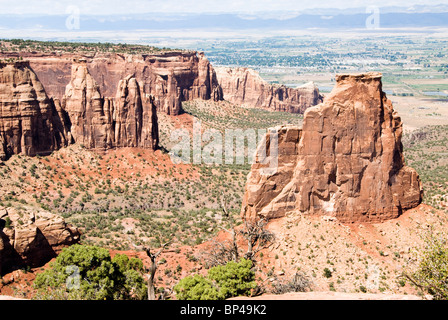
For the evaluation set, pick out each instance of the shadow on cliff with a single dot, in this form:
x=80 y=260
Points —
x=39 y=253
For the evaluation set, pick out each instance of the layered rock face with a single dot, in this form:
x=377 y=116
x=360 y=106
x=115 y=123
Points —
x=171 y=77
x=32 y=239
x=86 y=109
x=346 y=161
x=30 y=122
x=127 y=120
x=245 y=87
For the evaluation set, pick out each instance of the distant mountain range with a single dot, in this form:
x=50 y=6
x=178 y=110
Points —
x=389 y=17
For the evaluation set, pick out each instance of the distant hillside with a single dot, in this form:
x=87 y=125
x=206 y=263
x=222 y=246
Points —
x=84 y=47
x=390 y=17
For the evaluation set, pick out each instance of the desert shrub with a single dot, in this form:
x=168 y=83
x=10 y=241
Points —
x=431 y=275
x=8 y=223
x=196 y=287
x=89 y=272
x=298 y=283
x=234 y=279
x=222 y=282
x=327 y=273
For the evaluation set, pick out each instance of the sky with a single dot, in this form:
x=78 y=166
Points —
x=120 y=7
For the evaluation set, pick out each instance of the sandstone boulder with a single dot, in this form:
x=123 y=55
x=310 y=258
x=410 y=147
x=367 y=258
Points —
x=32 y=238
x=347 y=160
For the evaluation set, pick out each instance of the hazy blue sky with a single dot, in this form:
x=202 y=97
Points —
x=187 y=6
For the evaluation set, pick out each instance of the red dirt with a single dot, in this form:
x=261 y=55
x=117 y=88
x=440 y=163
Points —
x=361 y=243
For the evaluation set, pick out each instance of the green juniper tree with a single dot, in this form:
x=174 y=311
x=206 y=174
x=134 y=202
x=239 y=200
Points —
x=222 y=282
x=431 y=274
x=89 y=273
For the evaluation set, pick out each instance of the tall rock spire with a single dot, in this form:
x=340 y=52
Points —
x=29 y=121
x=99 y=122
x=346 y=161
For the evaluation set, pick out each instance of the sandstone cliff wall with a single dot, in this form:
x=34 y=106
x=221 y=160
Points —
x=346 y=161
x=30 y=122
x=171 y=77
x=244 y=86
x=127 y=120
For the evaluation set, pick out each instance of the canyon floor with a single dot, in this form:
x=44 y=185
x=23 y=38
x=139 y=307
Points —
x=131 y=197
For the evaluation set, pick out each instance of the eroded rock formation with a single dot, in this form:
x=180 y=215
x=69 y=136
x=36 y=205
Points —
x=346 y=161
x=128 y=120
x=86 y=108
x=30 y=123
x=32 y=238
x=171 y=77
x=244 y=86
